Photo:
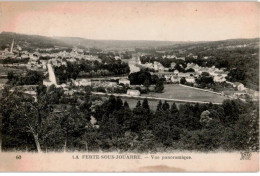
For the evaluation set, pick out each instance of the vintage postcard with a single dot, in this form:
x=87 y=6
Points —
x=129 y=86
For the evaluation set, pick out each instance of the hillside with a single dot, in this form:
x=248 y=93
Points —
x=116 y=44
x=29 y=41
x=36 y=41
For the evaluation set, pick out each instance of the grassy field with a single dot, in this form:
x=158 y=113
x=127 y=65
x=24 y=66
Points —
x=185 y=93
x=172 y=91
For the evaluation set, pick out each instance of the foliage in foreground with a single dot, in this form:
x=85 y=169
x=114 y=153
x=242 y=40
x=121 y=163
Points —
x=37 y=126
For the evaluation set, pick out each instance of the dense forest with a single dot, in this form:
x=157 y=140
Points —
x=30 y=78
x=41 y=126
x=13 y=60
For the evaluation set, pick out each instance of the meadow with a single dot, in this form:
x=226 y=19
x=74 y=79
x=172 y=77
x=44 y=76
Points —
x=174 y=91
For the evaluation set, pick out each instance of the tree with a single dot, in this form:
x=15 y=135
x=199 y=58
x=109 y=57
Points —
x=119 y=103
x=165 y=106
x=139 y=119
x=159 y=87
x=231 y=111
x=26 y=116
x=145 y=105
x=174 y=108
x=204 y=118
x=146 y=141
x=147 y=84
x=74 y=124
x=190 y=70
x=126 y=105
x=179 y=68
x=205 y=80
x=205 y=74
x=31 y=78
x=159 y=106
x=138 y=104
x=187 y=117
x=138 y=78
x=10 y=76
x=163 y=134
x=183 y=80
x=236 y=75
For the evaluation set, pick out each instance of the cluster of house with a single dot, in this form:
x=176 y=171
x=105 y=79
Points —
x=219 y=75
x=36 y=63
x=241 y=91
x=106 y=84
x=83 y=82
x=175 y=77
x=157 y=66
x=75 y=53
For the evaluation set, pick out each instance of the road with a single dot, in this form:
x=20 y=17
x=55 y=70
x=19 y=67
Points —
x=52 y=76
x=153 y=98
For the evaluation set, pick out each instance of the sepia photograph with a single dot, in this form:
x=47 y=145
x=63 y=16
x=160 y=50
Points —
x=129 y=86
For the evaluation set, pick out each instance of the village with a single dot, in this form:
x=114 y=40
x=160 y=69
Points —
x=48 y=60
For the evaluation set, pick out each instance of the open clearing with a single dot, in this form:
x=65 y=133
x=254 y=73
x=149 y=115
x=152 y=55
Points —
x=174 y=91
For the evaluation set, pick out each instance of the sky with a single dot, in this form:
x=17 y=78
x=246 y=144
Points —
x=164 y=21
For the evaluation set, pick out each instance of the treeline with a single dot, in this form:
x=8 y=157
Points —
x=30 y=78
x=110 y=56
x=54 y=50
x=201 y=127
x=205 y=80
x=12 y=60
x=90 y=69
x=144 y=77
x=166 y=62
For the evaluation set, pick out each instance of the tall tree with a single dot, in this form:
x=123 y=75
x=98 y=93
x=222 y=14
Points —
x=165 y=106
x=159 y=106
x=147 y=84
x=174 y=108
x=119 y=103
x=145 y=105
x=138 y=104
x=159 y=87
x=126 y=105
